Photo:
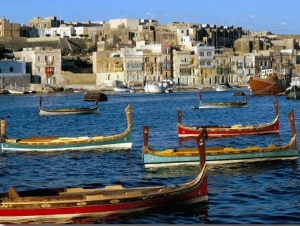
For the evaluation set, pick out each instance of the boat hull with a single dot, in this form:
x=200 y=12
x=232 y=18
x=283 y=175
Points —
x=68 y=205
x=68 y=212
x=124 y=141
x=151 y=88
x=226 y=104
x=223 y=105
x=260 y=86
x=123 y=89
x=216 y=132
x=121 y=141
x=78 y=111
x=224 y=87
x=292 y=92
x=152 y=161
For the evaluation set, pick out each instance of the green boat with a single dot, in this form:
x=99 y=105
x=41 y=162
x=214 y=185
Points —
x=121 y=141
x=218 y=154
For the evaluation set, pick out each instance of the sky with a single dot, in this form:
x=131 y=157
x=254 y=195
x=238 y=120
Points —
x=276 y=16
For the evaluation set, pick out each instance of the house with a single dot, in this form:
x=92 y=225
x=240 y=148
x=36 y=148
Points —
x=44 y=65
x=13 y=75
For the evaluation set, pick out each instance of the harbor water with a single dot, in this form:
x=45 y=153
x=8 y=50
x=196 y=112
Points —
x=265 y=192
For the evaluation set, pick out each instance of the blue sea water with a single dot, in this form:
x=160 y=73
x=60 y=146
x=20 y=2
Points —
x=259 y=192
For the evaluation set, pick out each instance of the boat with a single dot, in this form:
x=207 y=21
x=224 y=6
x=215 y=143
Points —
x=267 y=83
x=119 y=86
x=158 y=87
x=4 y=91
x=121 y=141
x=293 y=91
x=67 y=111
x=89 y=96
x=69 y=205
x=217 y=131
x=227 y=104
x=124 y=89
x=12 y=91
x=218 y=154
x=224 y=87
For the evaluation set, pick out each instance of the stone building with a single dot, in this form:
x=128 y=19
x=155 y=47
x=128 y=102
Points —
x=44 y=23
x=44 y=64
x=108 y=67
x=8 y=29
x=182 y=68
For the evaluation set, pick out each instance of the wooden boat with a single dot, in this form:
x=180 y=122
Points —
x=67 y=111
x=45 y=144
x=216 y=131
x=66 y=205
x=228 y=104
x=218 y=155
x=267 y=83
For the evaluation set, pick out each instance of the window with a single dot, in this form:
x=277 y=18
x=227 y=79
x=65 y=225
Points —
x=201 y=53
x=39 y=58
x=11 y=69
x=209 y=53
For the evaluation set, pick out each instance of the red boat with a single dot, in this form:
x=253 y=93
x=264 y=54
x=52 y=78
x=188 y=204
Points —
x=226 y=131
x=70 y=205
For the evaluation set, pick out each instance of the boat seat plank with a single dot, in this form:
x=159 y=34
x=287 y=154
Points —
x=39 y=199
x=36 y=139
x=113 y=187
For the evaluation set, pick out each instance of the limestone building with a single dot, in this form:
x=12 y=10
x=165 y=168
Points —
x=44 y=64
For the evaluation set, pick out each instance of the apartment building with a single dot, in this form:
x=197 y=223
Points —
x=44 y=64
x=182 y=68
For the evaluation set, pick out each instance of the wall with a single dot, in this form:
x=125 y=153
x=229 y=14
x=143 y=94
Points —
x=70 y=78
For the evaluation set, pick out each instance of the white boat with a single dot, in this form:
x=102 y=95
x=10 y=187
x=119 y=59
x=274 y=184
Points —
x=158 y=87
x=124 y=89
x=224 y=87
x=293 y=91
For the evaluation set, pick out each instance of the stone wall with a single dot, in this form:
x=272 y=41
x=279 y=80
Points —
x=18 y=43
x=70 y=78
